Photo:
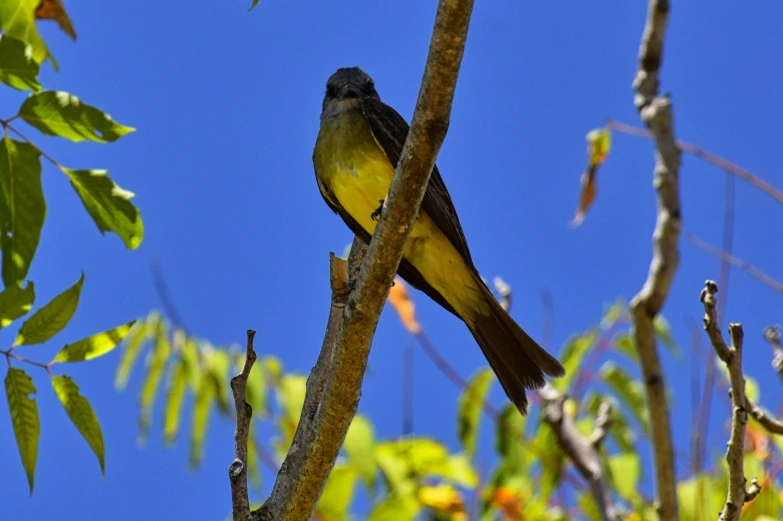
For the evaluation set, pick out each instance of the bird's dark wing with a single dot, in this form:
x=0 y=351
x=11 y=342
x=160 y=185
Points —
x=390 y=130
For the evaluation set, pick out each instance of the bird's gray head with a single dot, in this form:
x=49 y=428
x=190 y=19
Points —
x=346 y=89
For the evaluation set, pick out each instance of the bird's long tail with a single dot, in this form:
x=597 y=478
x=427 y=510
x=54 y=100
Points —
x=518 y=361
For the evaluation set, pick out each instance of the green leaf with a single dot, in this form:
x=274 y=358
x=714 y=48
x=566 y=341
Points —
x=51 y=318
x=81 y=414
x=137 y=337
x=253 y=4
x=218 y=364
x=17 y=17
x=460 y=471
x=624 y=343
x=628 y=390
x=178 y=384
x=15 y=302
x=202 y=407
x=155 y=366
x=551 y=459
x=108 y=205
x=359 y=445
x=256 y=389
x=625 y=470
x=17 y=67
x=572 y=355
x=253 y=472
x=614 y=313
x=471 y=402
x=664 y=332
x=24 y=417
x=509 y=440
x=337 y=494
x=588 y=507
x=22 y=207
x=94 y=346
x=57 y=113
x=752 y=390
x=290 y=397
x=395 y=507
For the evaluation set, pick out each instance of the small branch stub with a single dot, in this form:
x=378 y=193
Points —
x=244 y=413
x=732 y=357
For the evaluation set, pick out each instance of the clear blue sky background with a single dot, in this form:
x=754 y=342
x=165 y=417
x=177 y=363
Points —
x=226 y=104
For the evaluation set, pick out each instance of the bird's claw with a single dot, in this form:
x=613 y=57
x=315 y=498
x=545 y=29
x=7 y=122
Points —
x=376 y=215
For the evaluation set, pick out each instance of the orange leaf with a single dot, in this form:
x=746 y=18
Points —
x=598 y=144
x=55 y=10
x=406 y=309
x=509 y=502
x=757 y=440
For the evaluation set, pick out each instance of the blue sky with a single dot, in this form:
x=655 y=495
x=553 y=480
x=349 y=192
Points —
x=226 y=104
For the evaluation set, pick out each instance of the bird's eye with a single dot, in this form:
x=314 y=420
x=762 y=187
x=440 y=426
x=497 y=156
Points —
x=331 y=91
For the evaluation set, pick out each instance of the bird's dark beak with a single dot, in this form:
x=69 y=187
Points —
x=348 y=92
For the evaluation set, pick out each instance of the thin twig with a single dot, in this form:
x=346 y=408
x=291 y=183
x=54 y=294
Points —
x=739 y=263
x=582 y=451
x=699 y=152
x=732 y=357
x=307 y=466
x=237 y=471
x=162 y=289
x=656 y=113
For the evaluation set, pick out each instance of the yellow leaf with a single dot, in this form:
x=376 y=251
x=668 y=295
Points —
x=598 y=144
x=403 y=304
x=442 y=497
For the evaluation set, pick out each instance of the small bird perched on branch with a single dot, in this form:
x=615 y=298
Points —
x=355 y=156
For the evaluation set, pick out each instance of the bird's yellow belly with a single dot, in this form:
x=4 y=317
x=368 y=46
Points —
x=360 y=185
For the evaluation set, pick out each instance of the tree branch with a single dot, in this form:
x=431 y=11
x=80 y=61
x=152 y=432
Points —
x=732 y=357
x=582 y=451
x=237 y=471
x=656 y=112
x=325 y=421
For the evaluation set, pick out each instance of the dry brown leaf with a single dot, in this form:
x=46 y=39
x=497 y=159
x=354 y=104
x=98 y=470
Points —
x=55 y=10
x=598 y=144
x=406 y=309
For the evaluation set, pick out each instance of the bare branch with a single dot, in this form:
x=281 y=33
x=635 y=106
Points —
x=656 y=112
x=237 y=471
x=582 y=451
x=707 y=156
x=732 y=357
x=739 y=263
x=325 y=421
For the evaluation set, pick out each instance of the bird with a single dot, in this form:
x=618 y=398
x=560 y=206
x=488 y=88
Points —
x=355 y=156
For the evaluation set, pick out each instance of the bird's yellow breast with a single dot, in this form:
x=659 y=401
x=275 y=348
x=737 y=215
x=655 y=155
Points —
x=351 y=165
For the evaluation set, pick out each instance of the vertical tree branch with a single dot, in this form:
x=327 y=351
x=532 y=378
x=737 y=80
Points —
x=732 y=357
x=326 y=421
x=656 y=112
x=583 y=451
x=237 y=471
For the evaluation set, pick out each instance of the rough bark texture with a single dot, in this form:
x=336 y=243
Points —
x=732 y=357
x=237 y=471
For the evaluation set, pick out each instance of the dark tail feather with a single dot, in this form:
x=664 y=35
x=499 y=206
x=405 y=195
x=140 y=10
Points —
x=518 y=361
